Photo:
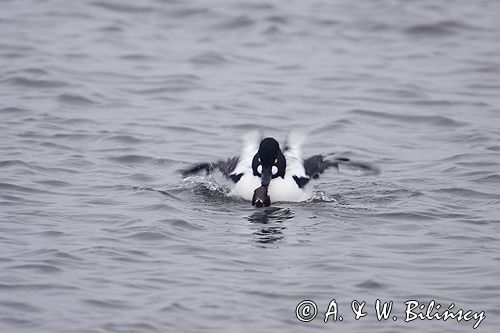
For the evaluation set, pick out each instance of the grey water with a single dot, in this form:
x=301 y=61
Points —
x=102 y=102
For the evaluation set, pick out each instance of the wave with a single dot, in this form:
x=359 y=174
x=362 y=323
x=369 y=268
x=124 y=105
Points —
x=433 y=120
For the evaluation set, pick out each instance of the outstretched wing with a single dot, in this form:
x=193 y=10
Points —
x=313 y=167
x=226 y=167
x=318 y=164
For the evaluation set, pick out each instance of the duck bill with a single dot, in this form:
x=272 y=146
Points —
x=261 y=197
x=265 y=179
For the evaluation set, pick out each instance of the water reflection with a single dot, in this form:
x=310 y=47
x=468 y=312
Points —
x=270 y=222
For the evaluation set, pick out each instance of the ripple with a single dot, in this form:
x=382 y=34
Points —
x=488 y=179
x=75 y=99
x=239 y=22
x=60 y=147
x=14 y=163
x=140 y=232
x=334 y=126
x=468 y=193
x=371 y=285
x=139 y=159
x=404 y=216
x=180 y=224
x=136 y=56
x=105 y=251
x=156 y=207
x=108 y=304
x=109 y=28
x=171 y=84
x=438 y=29
x=148 y=235
x=121 y=8
x=130 y=327
x=188 y=12
x=184 y=129
x=125 y=139
x=29 y=71
x=247 y=127
x=209 y=58
x=13 y=109
x=20 y=306
x=428 y=120
x=277 y=19
x=54 y=183
x=19 y=188
x=16 y=47
x=142 y=177
x=33 y=83
x=15 y=199
x=173 y=307
x=45 y=252
x=19 y=321
x=50 y=233
x=38 y=267
x=36 y=286
x=74 y=136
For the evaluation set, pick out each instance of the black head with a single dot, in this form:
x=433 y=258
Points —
x=269 y=162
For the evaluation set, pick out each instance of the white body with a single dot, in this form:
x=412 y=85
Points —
x=280 y=189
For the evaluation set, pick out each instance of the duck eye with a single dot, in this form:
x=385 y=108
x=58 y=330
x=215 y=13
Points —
x=276 y=161
x=258 y=159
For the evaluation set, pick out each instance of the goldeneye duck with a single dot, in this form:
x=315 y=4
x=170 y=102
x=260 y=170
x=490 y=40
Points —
x=263 y=171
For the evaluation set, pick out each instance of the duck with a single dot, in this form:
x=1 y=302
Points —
x=264 y=170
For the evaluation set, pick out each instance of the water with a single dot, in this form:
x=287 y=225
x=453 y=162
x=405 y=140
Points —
x=101 y=102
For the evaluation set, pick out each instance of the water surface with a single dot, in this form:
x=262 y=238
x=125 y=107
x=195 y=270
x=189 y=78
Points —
x=101 y=102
